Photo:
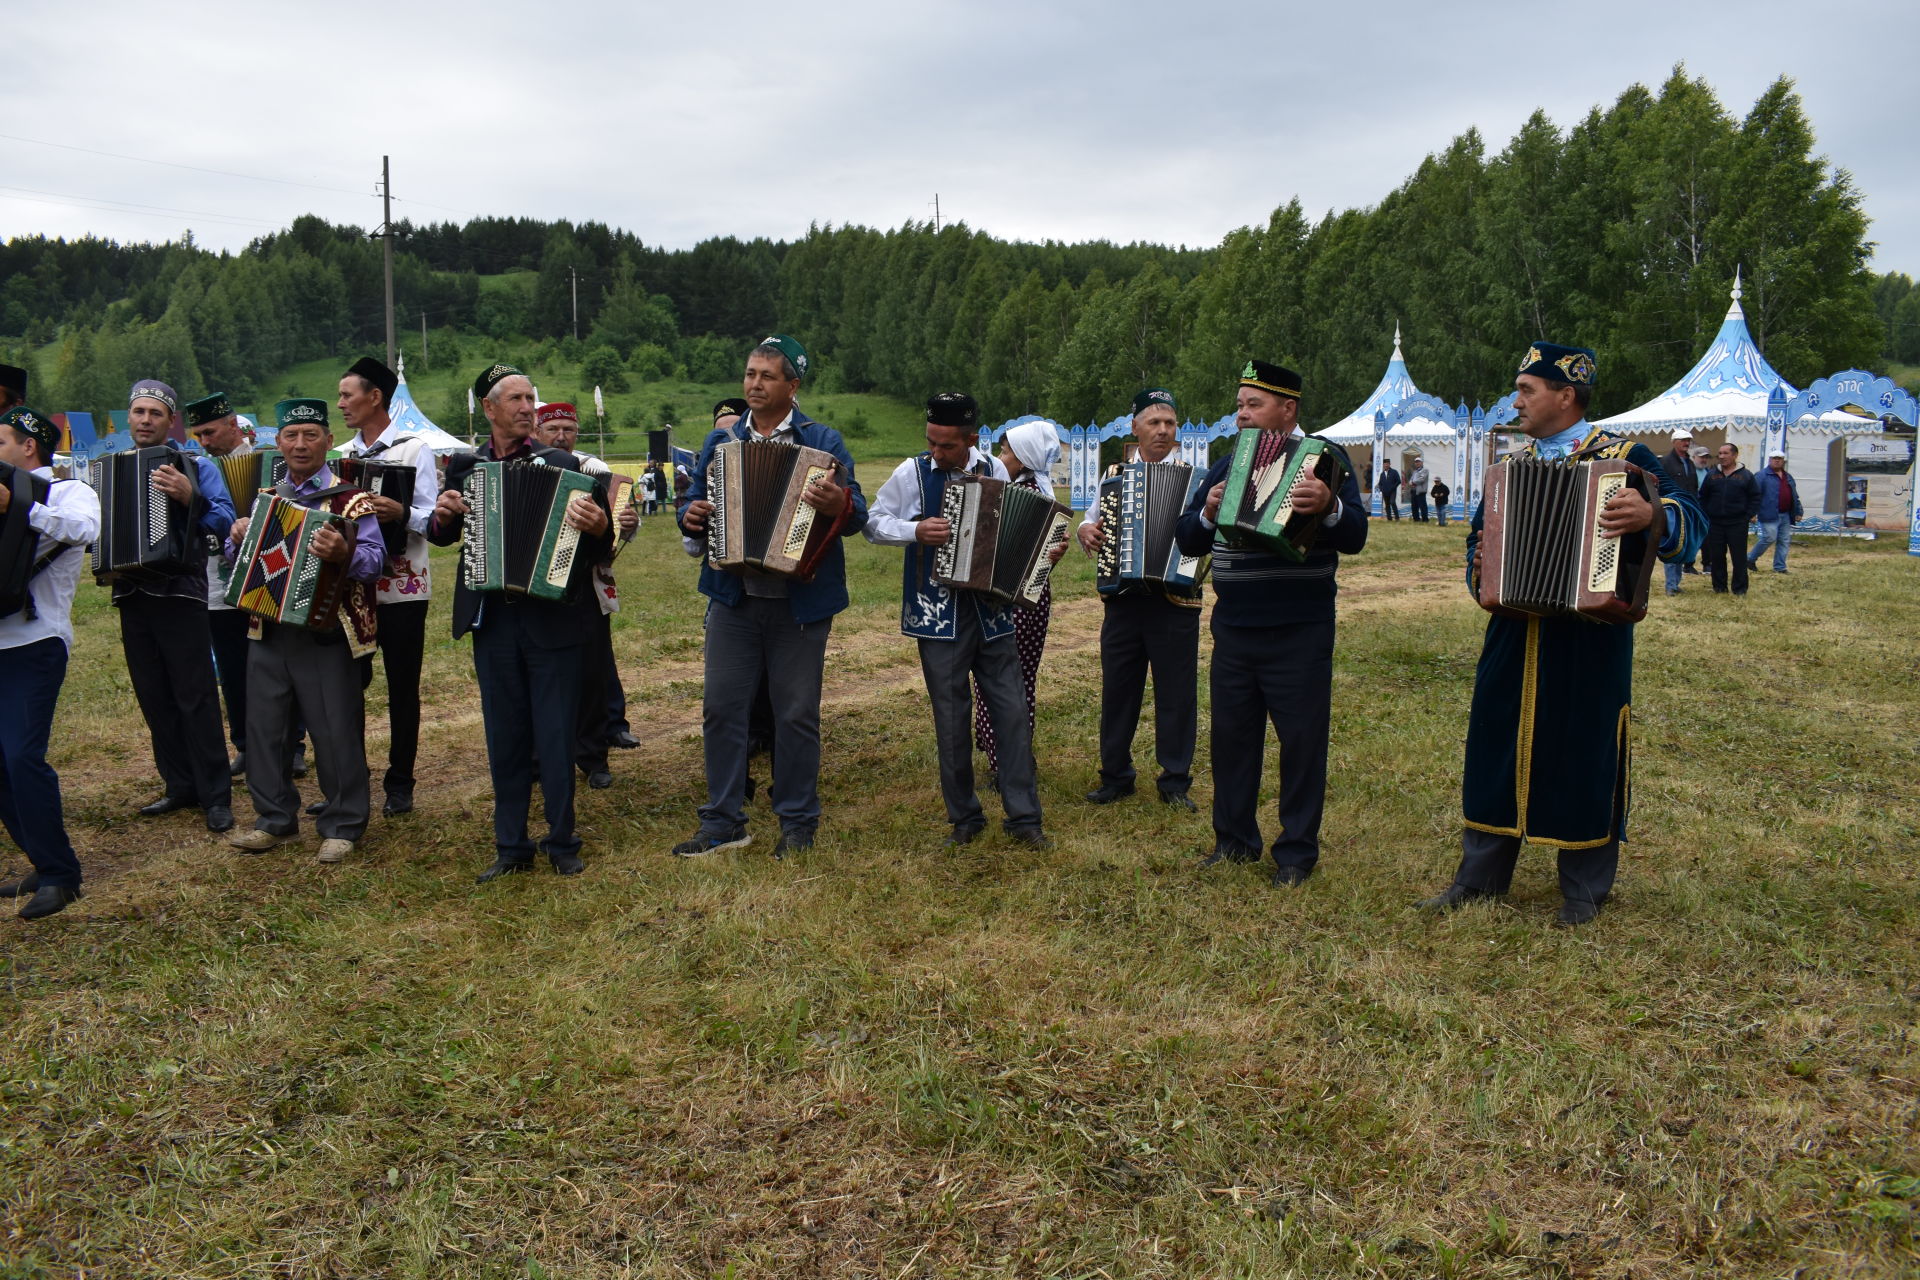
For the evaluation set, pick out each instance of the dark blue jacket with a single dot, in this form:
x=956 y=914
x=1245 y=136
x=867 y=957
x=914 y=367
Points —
x=1770 y=504
x=1730 y=499
x=812 y=601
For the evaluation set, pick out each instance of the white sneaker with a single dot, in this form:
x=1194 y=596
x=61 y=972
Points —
x=256 y=841
x=335 y=850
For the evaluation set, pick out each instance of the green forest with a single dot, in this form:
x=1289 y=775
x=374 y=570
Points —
x=1621 y=232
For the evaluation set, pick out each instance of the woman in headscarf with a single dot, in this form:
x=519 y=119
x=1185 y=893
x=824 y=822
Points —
x=1028 y=452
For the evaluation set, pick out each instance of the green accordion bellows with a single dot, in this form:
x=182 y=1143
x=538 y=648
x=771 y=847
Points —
x=1256 y=509
x=516 y=537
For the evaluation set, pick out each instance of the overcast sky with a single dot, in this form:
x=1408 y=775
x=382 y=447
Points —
x=1125 y=121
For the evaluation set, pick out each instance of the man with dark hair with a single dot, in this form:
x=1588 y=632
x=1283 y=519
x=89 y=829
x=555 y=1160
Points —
x=1547 y=736
x=1780 y=510
x=1731 y=498
x=163 y=630
x=13 y=386
x=212 y=421
x=527 y=652
x=961 y=634
x=1679 y=465
x=1273 y=631
x=1389 y=491
x=760 y=624
x=405 y=585
x=1147 y=626
x=36 y=634
x=297 y=674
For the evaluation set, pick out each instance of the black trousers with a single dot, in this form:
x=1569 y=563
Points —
x=170 y=661
x=1143 y=631
x=1419 y=501
x=403 y=648
x=29 y=788
x=592 y=727
x=1390 y=503
x=1283 y=676
x=1727 y=538
x=616 y=692
x=228 y=629
x=528 y=698
x=1487 y=862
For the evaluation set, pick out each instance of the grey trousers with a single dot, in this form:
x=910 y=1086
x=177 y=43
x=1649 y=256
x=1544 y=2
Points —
x=745 y=640
x=1487 y=862
x=995 y=664
x=293 y=676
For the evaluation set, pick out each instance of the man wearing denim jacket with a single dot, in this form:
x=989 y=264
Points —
x=766 y=624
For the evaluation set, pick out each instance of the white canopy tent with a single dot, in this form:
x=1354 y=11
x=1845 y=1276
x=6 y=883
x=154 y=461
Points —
x=1436 y=442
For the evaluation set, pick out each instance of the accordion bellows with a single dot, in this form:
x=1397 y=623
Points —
x=145 y=536
x=760 y=516
x=248 y=473
x=1001 y=537
x=384 y=480
x=1256 y=508
x=516 y=537
x=1139 y=507
x=1540 y=550
x=276 y=574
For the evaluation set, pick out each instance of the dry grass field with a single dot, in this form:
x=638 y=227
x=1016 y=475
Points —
x=889 y=1060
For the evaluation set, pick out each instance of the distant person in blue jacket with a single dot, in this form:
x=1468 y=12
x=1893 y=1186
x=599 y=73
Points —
x=1780 y=510
x=767 y=625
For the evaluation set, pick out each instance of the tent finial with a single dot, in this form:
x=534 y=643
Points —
x=1736 y=282
x=1396 y=341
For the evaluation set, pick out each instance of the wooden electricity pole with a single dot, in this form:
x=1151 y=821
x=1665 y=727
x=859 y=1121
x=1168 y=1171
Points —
x=386 y=234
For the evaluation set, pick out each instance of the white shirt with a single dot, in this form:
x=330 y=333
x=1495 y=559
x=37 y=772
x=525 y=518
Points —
x=893 y=514
x=406 y=576
x=70 y=515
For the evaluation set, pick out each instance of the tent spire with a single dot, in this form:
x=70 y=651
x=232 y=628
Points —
x=403 y=366
x=1396 y=341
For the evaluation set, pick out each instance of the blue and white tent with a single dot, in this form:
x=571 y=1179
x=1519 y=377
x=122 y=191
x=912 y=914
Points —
x=407 y=416
x=1434 y=441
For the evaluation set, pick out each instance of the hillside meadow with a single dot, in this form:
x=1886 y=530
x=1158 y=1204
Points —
x=885 y=1059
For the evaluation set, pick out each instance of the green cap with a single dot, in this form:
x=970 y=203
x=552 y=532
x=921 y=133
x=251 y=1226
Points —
x=29 y=422
x=1153 y=396
x=795 y=353
x=208 y=409
x=293 y=412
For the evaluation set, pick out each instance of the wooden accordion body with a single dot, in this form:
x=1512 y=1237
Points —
x=1001 y=536
x=1540 y=551
x=1256 y=509
x=516 y=537
x=145 y=536
x=384 y=480
x=19 y=541
x=760 y=516
x=276 y=574
x=1139 y=506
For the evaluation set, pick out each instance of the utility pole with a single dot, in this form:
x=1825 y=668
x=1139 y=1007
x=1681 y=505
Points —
x=936 y=213
x=423 y=339
x=576 y=302
x=386 y=233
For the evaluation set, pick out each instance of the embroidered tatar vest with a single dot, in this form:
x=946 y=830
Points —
x=928 y=611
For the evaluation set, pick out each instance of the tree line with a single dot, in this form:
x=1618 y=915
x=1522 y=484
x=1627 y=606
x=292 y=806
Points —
x=1621 y=232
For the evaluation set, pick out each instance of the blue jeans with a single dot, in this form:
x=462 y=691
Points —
x=1777 y=531
x=1674 y=568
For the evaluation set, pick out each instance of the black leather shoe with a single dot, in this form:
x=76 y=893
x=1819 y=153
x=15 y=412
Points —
x=314 y=809
x=961 y=835
x=1032 y=837
x=752 y=787
x=165 y=804
x=1108 y=792
x=1222 y=853
x=1179 y=800
x=502 y=867
x=219 y=818
x=1288 y=877
x=397 y=803
x=623 y=739
x=993 y=782
x=793 y=840
x=48 y=899
x=599 y=780
x=238 y=766
x=300 y=763
x=1574 y=914
x=1453 y=898
x=25 y=887
x=566 y=864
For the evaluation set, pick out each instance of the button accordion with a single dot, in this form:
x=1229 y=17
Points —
x=1540 y=551
x=276 y=574
x=1256 y=508
x=760 y=517
x=516 y=537
x=384 y=480
x=1000 y=538
x=145 y=536
x=248 y=473
x=1139 y=506
x=19 y=541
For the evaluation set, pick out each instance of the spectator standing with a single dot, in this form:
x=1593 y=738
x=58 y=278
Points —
x=1678 y=464
x=1417 y=480
x=1389 y=491
x=1440 y=496
x=1731 y=498
x=1780 y=510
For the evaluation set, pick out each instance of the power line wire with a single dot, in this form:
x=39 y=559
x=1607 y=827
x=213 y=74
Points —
x=144 y=211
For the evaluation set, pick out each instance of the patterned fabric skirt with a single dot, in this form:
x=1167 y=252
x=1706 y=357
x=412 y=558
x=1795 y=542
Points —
x=1030 y=638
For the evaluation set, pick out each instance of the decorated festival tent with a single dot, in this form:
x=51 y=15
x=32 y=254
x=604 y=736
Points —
x=1724 y=398
x=410 y=420
x=1378 y=429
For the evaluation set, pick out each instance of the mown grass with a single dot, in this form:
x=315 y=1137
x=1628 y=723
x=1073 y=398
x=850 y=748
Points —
x=887 y=1060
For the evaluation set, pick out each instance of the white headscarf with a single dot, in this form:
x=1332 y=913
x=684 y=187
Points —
x=1037 y=446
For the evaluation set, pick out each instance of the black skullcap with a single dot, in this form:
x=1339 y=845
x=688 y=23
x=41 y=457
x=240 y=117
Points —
x=14 y=380
x=31 y=423
x=732 y=405
x=953 y=409
x=494 y=375
x=379 y=375
x=1555 y=363
x=1271 y=377
x=207 y=409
